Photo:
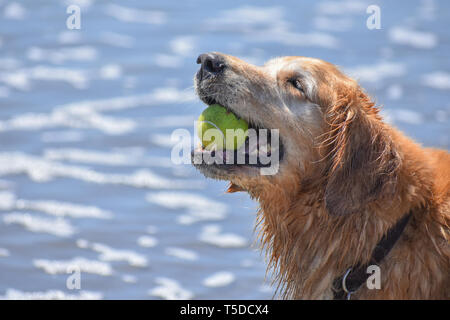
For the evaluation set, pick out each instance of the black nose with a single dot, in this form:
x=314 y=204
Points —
x=211 y=64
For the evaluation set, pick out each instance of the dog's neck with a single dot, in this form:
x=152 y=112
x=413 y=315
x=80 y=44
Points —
x=307 y=248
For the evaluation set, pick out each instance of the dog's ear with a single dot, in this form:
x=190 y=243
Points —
x=362 y=157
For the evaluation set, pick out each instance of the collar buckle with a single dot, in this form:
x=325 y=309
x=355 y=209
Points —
x=344 y=285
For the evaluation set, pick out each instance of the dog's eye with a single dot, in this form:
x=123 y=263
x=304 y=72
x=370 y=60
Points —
x=296 y=83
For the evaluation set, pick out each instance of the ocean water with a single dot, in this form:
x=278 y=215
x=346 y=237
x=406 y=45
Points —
x=86 y=116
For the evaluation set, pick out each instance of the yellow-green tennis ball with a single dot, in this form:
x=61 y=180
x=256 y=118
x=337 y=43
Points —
x=212 y=128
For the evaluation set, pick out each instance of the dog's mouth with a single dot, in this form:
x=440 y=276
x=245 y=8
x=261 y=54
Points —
x=262 y=148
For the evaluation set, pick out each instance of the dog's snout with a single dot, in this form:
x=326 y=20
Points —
x=211 y=64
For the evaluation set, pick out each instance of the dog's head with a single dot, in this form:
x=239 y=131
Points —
x=330 y=133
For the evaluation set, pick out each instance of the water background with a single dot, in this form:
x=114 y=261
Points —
x=86 y=117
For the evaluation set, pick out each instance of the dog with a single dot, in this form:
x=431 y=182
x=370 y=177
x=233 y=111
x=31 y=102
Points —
x=350 y=188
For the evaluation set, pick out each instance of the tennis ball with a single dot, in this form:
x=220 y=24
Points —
x=212 y=128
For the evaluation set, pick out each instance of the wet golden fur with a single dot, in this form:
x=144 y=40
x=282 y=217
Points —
x=346 y=179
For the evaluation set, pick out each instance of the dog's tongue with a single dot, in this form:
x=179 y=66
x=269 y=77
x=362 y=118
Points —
x=234 y=188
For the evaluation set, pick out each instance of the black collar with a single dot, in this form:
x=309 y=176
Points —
x=355 y=276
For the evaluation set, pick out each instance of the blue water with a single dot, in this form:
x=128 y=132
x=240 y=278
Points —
x=86 y=117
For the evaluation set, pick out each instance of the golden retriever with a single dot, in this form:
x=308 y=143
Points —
x=345 y=179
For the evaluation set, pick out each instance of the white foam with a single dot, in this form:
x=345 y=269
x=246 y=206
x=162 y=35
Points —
x=82 y=264
x=88 y=156
x=16 y=79
x=128 y=278
x=289 y=38
x=63 y=209
x=127 y=14
x=172 y=122
x=41 y=170
x=85 y=4
x=20 y=79
x=69 y=37
x=268 y=24
x=110 y=254
x=200 y=215
x=247 y=263
x=87 y=114
x=170 y=289
x=173 y=95
x=377 y=72
x=413 y=38
x=62 y=136
x=437 y=80
x=333 y=23
x=117 y=39
x=58 y=227
x=211 y=234
x=395 y=92
x=77 y=78
x=13 y=294
x=69 y=118
x=181 y=253
x=4 y=252
x=8 y=201
x=184 y=45
x=110 y=72
x=219 y=279
x=199 y=208
x=248 y=16
x=402 y=115
x=82 y=243
x=58 y=56
x=124 y=157
x=147 y=242
x=162 y=140
x=14 y=10
x=342 y=7
x=108 y=104
x=264 y=288
x=168 y=60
